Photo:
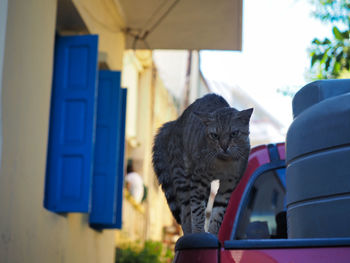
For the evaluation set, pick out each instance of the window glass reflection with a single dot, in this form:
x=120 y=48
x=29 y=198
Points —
x=264 y=215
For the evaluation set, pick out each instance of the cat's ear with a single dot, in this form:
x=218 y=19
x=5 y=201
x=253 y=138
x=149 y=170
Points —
x=206 y=118
x=245 y=115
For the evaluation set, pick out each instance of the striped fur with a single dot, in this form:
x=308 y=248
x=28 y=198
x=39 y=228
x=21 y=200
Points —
x=208 y=141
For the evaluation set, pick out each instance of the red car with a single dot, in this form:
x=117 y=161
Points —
x=303 y=217
x=254 y=227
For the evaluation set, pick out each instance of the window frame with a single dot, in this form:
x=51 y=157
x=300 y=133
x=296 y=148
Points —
x=274 y=164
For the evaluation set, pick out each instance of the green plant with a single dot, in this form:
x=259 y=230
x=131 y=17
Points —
x=330 y=58
x=149 y=252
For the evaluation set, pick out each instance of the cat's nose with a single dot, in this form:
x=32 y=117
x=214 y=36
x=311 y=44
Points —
x=224 y=147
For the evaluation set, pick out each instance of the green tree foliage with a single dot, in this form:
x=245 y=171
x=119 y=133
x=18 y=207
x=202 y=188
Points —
x=332 y=10
x=330 y=58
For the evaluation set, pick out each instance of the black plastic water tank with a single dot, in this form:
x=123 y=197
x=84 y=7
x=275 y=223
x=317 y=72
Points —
x=318 y=161
x=318 y=91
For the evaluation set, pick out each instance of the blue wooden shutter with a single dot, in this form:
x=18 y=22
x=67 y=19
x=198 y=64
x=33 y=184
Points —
x=72 y=117
x=109 y=152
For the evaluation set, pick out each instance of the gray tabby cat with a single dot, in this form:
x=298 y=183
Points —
x=208 y=141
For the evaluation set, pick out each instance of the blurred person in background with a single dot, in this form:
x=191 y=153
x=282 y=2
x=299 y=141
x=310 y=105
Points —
x=134 y=183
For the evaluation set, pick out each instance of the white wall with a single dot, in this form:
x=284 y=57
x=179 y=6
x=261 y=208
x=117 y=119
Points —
x=28 y=232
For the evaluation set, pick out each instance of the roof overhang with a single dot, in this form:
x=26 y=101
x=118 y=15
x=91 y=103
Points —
x=184 y=24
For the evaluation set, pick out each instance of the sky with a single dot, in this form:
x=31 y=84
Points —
x=276 y=36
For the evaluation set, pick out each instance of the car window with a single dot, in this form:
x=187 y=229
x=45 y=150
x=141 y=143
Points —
x=263 y=215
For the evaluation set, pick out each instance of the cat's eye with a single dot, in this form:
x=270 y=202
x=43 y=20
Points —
x=234 y=133
x=214 y=135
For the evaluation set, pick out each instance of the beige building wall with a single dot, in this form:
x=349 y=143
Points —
x=103 y=18
x=29 y=233
x=164 y=110
x=130 y=80
x=149 y=107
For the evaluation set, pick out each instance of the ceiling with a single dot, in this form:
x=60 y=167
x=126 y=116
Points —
x=182 y=24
